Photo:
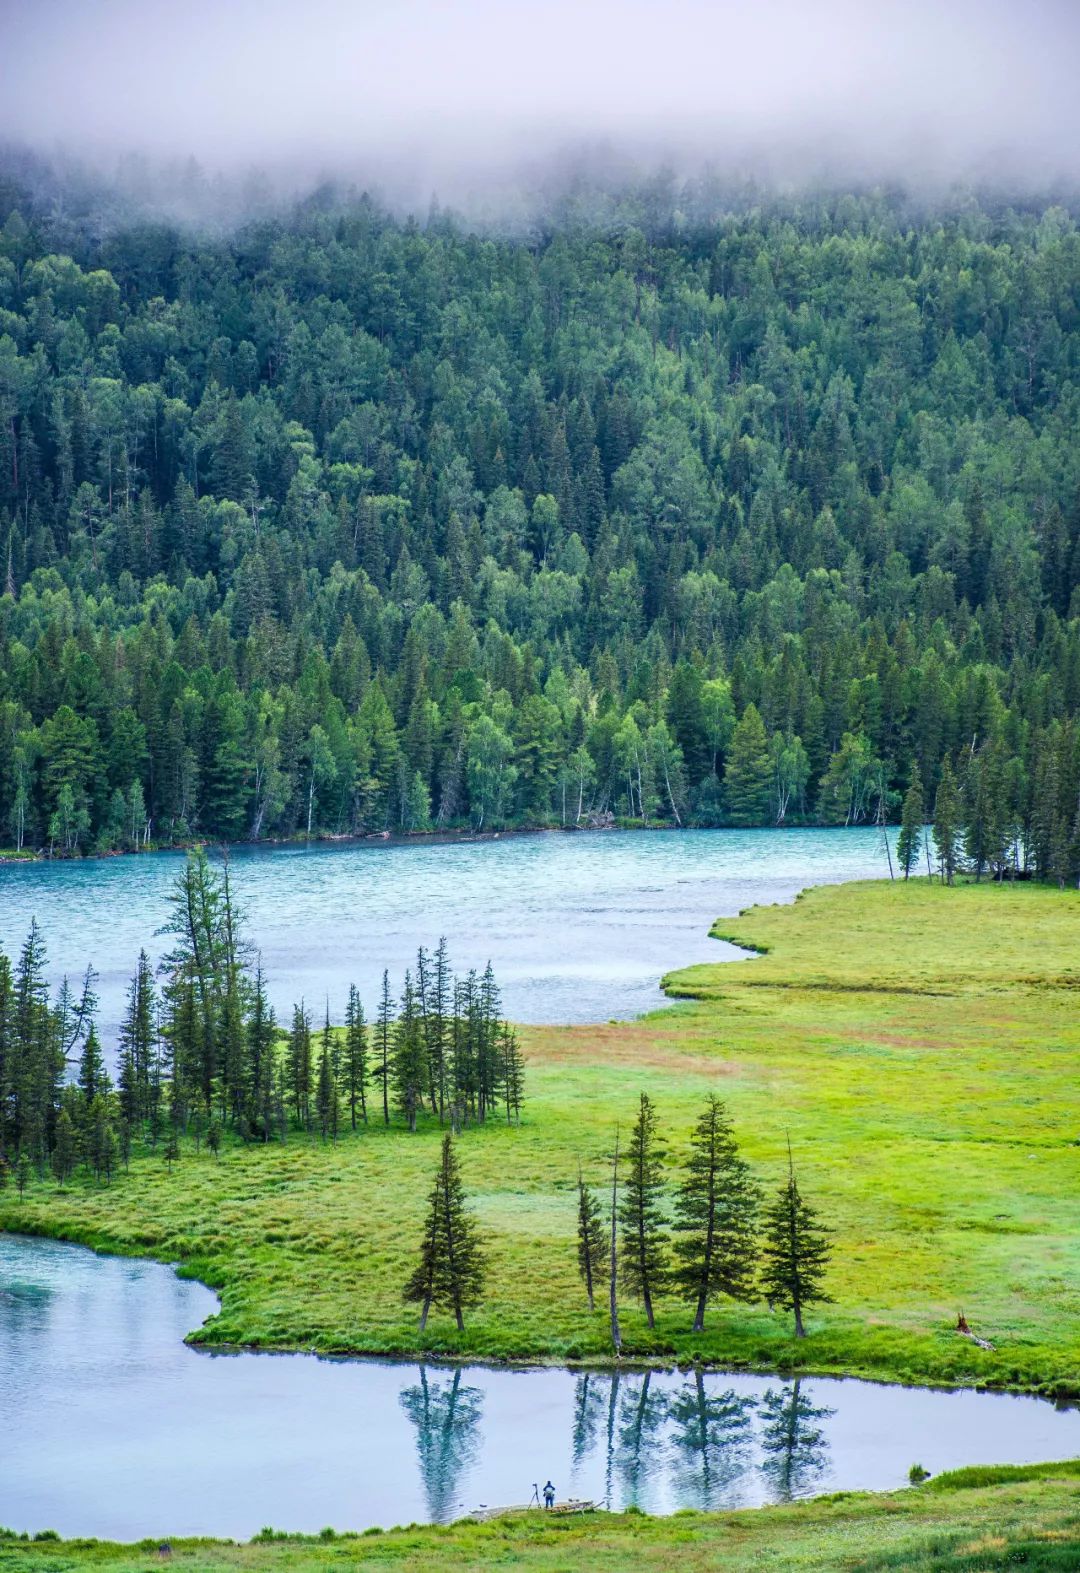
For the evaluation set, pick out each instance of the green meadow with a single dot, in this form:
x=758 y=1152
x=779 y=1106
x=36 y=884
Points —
x=919 y=1046
x=972 y=1519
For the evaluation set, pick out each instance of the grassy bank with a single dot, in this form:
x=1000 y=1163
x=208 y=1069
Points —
x=969 y=1520
x=919 y=1044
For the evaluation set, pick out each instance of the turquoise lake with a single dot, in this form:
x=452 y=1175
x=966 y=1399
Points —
x=579 y=927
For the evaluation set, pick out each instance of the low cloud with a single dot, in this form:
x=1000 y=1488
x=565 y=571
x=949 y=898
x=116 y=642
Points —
x=466 y=99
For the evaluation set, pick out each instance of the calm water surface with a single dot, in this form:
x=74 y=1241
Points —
x=579 y=927
x=112 y=1427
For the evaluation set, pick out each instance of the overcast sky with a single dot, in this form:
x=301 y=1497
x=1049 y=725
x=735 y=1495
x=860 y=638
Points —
x=879 y=85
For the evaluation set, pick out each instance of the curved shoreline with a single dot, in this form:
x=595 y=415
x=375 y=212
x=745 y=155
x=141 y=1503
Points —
x=865 y=1350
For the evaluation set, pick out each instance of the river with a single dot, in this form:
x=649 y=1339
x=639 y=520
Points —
x=579 y=927
x=113 y=1427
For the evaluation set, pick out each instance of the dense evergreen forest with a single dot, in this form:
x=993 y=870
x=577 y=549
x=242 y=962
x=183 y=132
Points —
x=748 y=513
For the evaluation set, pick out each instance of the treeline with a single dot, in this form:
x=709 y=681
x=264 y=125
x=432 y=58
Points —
x=713 y=513
x=707 y=1237
x=200 y=1052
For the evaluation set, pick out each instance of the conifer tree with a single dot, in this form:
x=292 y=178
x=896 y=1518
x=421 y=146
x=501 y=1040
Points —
x=715 y=1210
x=450 y=1273
x=591 y=1241
x=432 y=987
x=613 y=1253
x=748 y=774
x=643 y=1238
x=259 y=1078
x=64 y=1149
x=7 y=1059
x=795 y=1252
x=300 y=1068
x=93 y=1079
x=410 y=1057
x=356 y=1058
x=947 y=824
x=911 y=827
x=136 y=1044
x=384 y=1044
x=324 y=1090
x=513 y=1073
x=102 y=1146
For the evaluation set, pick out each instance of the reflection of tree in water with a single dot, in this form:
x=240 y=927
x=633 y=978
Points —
x=796 y=1449
x=447 y=1420
x=642 y=1413
x=589 y=1404
x=711 y=1441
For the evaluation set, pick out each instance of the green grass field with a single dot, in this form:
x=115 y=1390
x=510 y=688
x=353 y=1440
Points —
x=985 y=1519
x=919 y=1044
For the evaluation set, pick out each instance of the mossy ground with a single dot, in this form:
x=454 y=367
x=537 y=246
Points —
x=957 y=1524
x=920 y=1046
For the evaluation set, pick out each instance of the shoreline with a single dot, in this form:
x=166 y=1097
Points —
x=1066 y=1396
x=790 y=1362
x=413 y=838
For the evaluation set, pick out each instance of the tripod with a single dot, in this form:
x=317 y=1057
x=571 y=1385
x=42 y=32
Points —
x=535 y=1495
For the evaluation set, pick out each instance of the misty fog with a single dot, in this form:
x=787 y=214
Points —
x=474 y=100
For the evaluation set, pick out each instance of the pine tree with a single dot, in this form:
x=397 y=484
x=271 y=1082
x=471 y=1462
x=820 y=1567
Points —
x=450 y=1273
x=356 y=1058
x=715 y=1210
x=911 y=827
x=591 y=1241
x=947 y=824
x=643 y=1240
x=795 y=1252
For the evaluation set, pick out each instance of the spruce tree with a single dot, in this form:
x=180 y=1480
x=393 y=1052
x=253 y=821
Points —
x=450 y=1273
x=911 y=827
x=384 y=1044
x=591 y=1239
x=324 y=1090
x=93 y=1079
x=259 y=1064
x=795 y=1252
x=613 y=1253
x=356 y=1058
x=513 y=1073
x=65 y=1148
x=300 y=1068
x=715 y=1211
x=947 y=824
x=410 y=1057
x=643 y=1234
x=748 y=771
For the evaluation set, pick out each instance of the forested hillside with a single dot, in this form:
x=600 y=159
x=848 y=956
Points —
x=341 y=523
